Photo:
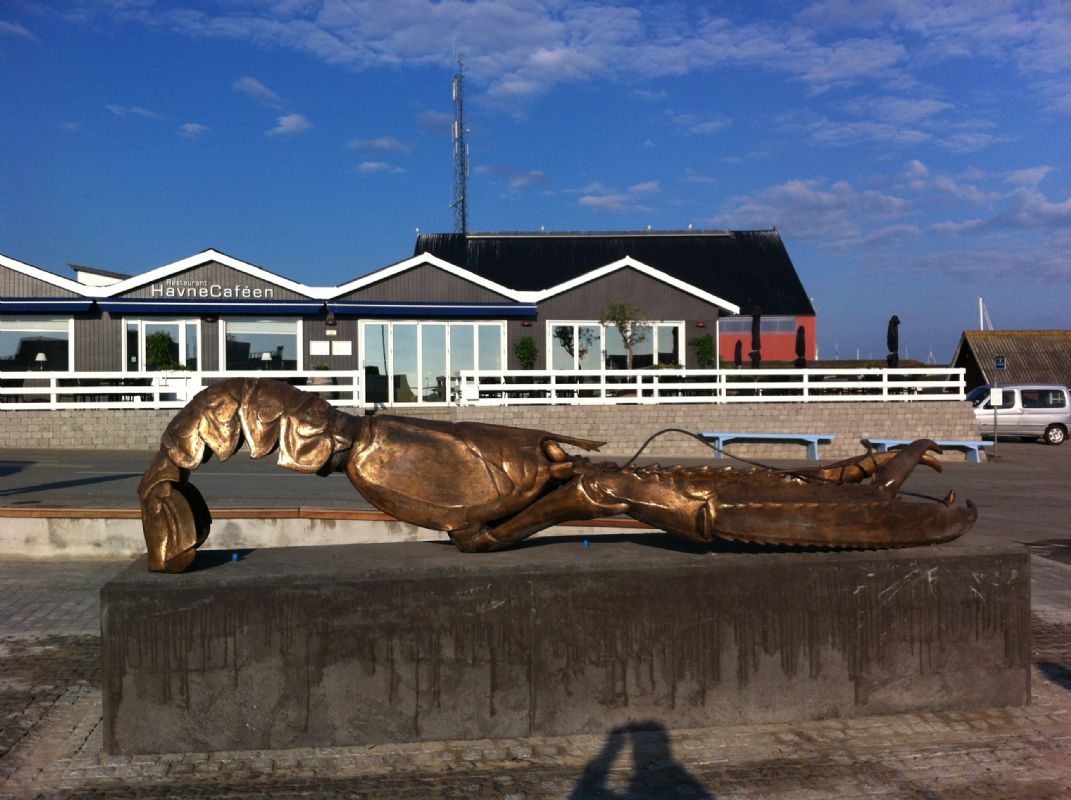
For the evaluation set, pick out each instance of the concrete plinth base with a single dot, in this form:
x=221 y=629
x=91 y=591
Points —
x=332 y=646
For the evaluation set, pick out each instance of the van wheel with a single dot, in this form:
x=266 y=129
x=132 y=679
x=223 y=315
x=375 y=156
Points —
x=1054 y=434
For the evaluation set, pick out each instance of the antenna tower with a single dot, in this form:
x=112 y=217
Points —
x=983 y=316
x=461 y=155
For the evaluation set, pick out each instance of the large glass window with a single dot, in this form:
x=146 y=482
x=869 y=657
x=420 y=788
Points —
x=421 y=362
x=587 y=345
x=151 y=345
x=771 y=324
x=575 y=345
x=268 y=344
x=36 y=344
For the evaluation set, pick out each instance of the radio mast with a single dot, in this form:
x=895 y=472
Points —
x=461 y=155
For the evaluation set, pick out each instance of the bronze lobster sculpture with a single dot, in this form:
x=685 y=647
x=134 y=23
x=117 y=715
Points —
x=491 y=486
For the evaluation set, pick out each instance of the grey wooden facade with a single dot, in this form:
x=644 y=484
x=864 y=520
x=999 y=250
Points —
x=212 y=290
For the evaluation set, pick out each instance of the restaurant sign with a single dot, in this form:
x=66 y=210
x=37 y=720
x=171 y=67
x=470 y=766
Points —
x=202 y=289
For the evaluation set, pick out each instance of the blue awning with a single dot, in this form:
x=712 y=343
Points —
x=42 y=305
x=141 y=305
x=384 y=308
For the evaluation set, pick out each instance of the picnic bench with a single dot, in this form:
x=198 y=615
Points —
x=720 y=438
x=973 y=449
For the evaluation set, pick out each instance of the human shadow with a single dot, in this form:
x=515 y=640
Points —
x=1057 y=673
x=656 y=775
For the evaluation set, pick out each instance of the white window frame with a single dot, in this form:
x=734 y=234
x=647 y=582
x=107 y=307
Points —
x=141 y=322
x=420 y=323
x=16 y=320
x=549 y=341
x=221 y=345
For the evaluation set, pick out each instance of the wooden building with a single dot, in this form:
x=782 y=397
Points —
x=460 y=302
x=991 y=357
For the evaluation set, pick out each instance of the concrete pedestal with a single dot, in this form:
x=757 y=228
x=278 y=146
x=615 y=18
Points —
x=332 y=646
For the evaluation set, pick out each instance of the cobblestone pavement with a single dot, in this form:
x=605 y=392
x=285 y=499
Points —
x=50 y=736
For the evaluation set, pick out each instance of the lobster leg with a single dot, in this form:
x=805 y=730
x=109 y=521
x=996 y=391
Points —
x=580 y=498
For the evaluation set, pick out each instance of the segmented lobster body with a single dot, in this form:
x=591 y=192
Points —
x=491 y=486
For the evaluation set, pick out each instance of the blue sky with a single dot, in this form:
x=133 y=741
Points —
x=914 y=154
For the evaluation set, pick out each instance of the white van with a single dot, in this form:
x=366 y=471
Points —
x=1026 y=409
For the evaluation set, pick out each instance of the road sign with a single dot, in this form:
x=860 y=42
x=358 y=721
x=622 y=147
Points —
x=1002 y=362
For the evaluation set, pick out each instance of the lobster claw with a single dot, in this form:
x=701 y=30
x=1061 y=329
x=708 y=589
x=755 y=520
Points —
x=174 y=515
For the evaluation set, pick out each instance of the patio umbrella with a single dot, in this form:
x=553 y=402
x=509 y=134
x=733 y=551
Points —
x=892 y=340
x=756 y=337
x=801 y=348
x=738 y=354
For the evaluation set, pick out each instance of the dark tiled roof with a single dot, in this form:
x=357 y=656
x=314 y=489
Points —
x=1030 y=356
x=747 y=268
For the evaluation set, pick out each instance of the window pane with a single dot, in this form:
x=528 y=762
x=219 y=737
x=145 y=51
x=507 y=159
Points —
x=22 y=340
x=668 y=350
x=191 y=345
x=462 y=348
x=161 y=345
x=406 y=382
x=375 y=363
x=433 y=361
x=490 y=347
x=562 y=346
x=590 y=345
x=132 y=356
x=615 y=349
x=642 y=347
x=261 y=344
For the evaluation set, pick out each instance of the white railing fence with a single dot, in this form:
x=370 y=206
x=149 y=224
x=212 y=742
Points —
x=83 y=390
x=589 y=387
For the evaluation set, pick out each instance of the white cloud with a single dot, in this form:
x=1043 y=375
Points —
x=136 y=111
x=517 y=49
x=15 y=29
x=70 y=127
x=647 y=187
x=943 y=187
x=435 y=122
x=1029 y=177
x=290 y=125
x=258 y=91
x=692 y=175
x=193 y=130
x=369 y=167
x=596 y=196
x=380 y=144
x=516 y=180
x=812 y=209
x=700 y=124
x=956 y=228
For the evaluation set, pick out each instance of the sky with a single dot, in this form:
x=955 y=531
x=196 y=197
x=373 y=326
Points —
x=913 y=154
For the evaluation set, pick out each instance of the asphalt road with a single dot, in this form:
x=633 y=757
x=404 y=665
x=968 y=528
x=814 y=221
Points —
x=1023 y=496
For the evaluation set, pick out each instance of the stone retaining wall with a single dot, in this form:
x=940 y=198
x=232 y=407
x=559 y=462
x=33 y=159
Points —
x=623 y=428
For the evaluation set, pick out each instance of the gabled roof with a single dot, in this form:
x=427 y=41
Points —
x=418 y=260
x=196 y=260
x=630 y=263
x=1030 y=356
x=43 y=275
x=740 y=268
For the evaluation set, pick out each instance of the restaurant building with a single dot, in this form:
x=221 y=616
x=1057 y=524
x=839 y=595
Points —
x=461 y=302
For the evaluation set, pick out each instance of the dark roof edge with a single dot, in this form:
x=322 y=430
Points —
x=102 y=272
x=615 y=234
